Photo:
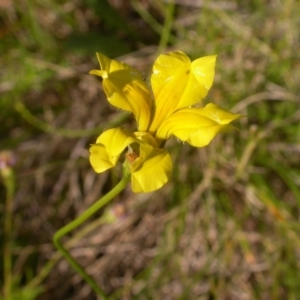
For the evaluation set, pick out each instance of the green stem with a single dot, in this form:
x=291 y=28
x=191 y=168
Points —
x=151 y=21
x=77 y=222
x=70 y=133
x=8 y=179
x=46 y=269
x=166 y=31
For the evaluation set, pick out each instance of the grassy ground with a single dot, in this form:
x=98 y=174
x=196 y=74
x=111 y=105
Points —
x=227 y=225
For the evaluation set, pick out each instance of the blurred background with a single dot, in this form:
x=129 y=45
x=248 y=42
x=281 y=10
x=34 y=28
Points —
x=226 y=226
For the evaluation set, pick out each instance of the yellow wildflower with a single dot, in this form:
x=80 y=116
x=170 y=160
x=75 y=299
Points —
x=161 y=111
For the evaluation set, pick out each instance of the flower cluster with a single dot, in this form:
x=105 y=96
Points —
x=165 y=109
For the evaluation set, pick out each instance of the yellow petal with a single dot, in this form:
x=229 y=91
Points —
x=218 y=114
x=147 y=138
x=125 y=89
x=178 y=83
x=200 y=81
x=151 y=170
x=108 y=65
x=168 y=80
x=197 y=126
x=100 y=159
x=108 y=148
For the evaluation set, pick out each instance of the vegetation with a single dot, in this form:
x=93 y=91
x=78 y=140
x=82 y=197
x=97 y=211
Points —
x=225 y=227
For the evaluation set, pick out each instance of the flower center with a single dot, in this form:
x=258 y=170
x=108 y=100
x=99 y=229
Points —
x=131 y=156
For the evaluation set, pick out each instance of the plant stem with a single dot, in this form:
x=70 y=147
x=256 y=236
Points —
x=46 y=269
x=9 y=182
x=150 y=20
x=166 y=31
x=71 y=133
x=77 y=222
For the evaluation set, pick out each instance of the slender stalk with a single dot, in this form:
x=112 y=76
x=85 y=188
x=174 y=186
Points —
x=77 y=222
x=8 y=179
x=166 y=31
x=71 y=133
x=46 y=269
x=150 y=20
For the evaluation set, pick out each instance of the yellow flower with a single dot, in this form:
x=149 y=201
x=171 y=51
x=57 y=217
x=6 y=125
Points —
x=163 y=110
